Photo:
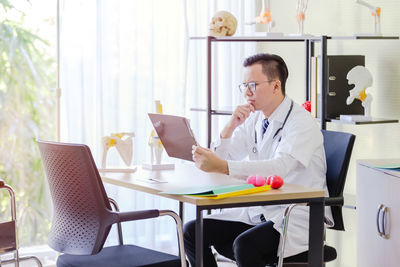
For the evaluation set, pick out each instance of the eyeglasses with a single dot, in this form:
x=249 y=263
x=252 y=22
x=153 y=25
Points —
x=251 y=85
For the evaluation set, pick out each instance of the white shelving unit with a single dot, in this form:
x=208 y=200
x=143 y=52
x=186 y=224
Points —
x=308 y=42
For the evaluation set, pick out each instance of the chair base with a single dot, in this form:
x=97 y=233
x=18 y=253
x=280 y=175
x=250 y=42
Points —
x=124 y=255
x=20 y=259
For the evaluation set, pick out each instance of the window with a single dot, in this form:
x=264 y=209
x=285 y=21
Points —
x=27 y=108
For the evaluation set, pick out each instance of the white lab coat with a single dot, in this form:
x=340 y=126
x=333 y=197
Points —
x=296 y=154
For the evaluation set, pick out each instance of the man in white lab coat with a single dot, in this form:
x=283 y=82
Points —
x=269 y=135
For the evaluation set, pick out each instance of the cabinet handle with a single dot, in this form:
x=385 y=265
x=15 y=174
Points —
x=383 y=221
x=377 y=220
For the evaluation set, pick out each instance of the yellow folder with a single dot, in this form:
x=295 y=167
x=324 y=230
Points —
x=239 y=192
x=219 y=191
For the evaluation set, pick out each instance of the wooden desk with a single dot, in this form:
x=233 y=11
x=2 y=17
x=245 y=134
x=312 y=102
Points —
x=185 y=175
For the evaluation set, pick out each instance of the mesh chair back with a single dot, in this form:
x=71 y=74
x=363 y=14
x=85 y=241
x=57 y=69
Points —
x=338 y=147
x=82 y=215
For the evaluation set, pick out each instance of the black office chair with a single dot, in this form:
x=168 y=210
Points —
x=338 y=147
x=83 y=216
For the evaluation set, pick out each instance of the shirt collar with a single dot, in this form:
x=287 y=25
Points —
x=281 y=111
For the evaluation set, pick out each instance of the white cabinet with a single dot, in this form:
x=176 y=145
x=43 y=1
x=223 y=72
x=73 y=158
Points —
x=378 y=214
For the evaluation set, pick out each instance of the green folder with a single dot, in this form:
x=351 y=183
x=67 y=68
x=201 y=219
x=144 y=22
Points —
x=393 y=167
x=218 y=191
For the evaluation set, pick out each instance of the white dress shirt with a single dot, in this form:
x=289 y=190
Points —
x=296 y=153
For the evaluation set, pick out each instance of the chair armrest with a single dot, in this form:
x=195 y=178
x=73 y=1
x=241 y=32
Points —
x=179 y=230
x=119 y=226
x=334 y=201
x=12 y=197
x=147 y=214
x=137 y=215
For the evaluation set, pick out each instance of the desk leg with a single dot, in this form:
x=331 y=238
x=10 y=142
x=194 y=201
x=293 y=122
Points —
x=316 y=235
x=199 y=237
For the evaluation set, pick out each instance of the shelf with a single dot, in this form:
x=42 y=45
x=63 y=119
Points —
x=373 y=121
x=287 y=38
x=278 y=38
x=309 y=41
x=364 y=37
x=224 y=111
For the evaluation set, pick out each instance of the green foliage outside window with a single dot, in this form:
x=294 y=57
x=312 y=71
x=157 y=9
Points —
x=27 y=112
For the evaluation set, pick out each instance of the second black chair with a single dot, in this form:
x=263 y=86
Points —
x=338 y=148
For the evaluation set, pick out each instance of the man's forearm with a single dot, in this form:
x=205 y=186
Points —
x=227 y=132
x=223 y=167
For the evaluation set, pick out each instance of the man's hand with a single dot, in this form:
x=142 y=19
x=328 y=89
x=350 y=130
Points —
x=207 y=161
x=240 y=114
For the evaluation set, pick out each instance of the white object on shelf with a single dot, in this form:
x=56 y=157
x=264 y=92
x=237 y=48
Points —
x=265 y=18
x=223 y=23
x=355 y=118
x=127 y=169
x=361 y=77
x=124 y=145
x=161 y=166
x=376 y=13
x=301 y=7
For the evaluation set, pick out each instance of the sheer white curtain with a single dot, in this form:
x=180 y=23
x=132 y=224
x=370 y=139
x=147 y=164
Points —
x=117 y=57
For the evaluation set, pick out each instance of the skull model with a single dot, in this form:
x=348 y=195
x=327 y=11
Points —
x=223 y=24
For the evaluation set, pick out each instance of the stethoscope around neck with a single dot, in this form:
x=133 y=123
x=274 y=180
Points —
x=277 y=131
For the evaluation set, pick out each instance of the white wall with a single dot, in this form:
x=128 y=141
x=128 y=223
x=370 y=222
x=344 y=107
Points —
x=340 y=18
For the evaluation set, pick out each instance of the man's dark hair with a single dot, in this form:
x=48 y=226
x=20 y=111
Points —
x=273 y=66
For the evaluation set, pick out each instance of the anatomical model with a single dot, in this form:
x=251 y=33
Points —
x=376 y=13
x=265 y=16
x=156 y=149
x=301 y=14
x=223 y=24
x=362 y=79
x=122 y=142
x=154 y=141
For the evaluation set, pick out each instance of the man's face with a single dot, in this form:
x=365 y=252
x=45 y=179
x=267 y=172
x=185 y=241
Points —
x=266 y=88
